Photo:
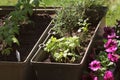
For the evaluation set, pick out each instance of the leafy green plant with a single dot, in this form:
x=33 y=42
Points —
x=63 y=49
x=69 y=18
x=71 y=21
x=10 y=26
x=73 y=15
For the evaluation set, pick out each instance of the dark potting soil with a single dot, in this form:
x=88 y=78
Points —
x=29 y=34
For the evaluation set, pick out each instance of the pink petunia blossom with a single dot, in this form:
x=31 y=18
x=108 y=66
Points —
x=95 y=65
x=113 y=57
x=108 y=75
x=111 y=45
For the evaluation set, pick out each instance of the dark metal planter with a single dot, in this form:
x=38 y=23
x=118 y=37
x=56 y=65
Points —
x=61 y=71
x=21 y=70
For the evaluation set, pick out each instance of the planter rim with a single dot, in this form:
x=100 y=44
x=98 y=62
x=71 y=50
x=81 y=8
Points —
x=38 y=8
x=36 y=46
x=83 y=58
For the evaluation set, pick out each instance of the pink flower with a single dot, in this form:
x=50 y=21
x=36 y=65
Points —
x=95 y=78
x=113 y=57
x=111 y=45
x=95 y=65
x=108 y=75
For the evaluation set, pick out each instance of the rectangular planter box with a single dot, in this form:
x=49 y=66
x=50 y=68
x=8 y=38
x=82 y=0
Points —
x=61 y=71
x=22 y=70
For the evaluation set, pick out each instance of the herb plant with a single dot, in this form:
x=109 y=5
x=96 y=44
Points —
x=63 y=49
x=10 y=26
x=69 y=19
x=73 y=16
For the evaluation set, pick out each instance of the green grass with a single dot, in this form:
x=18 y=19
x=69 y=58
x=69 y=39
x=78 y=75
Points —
x=7 y=2
x=45 y=2
x=113 y=14
x=56 y=2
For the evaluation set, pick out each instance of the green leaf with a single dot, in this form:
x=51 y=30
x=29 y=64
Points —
x=103 y=69
x=15 y=40
x=6 y=51
x=118 y=42
x=110 y=64
x=61 y=48
x=73 y=59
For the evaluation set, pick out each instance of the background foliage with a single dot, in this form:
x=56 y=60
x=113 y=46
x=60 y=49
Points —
x=112 y=15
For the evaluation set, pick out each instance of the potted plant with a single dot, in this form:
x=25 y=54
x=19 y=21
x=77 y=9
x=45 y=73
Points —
x=65 y=47
x=104 y=60
x=20 y=29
